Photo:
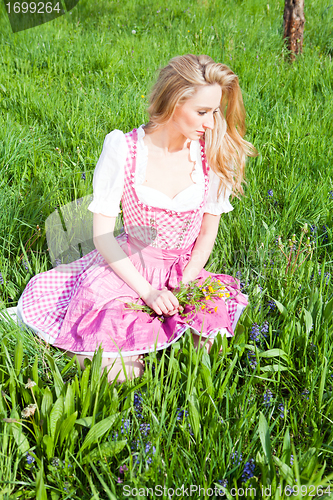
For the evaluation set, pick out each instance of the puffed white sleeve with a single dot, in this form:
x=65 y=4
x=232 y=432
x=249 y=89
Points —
x=108 y=180
x=213 y=205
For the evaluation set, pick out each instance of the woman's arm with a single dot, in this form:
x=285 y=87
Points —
x=202 y=247
x=162 y=301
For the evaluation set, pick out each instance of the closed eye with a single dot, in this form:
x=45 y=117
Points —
x=202 y=113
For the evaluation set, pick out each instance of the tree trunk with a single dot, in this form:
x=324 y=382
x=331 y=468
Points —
x=293 y=26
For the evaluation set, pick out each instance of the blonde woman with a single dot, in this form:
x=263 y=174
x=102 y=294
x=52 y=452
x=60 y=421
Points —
x=174 y=177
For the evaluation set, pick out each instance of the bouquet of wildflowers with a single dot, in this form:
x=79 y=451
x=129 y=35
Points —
x=191 y=294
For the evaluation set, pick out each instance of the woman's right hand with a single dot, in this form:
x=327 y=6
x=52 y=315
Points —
x=162 y=301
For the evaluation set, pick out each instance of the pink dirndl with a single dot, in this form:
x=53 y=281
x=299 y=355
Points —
x=81 y=306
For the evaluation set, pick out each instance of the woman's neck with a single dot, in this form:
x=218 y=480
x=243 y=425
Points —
x=167 y=138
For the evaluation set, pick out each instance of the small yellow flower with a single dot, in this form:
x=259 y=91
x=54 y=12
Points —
x=203 y=306
x=215 y=309
x=227 y=295
x=220 y=295
x=142 y=96
x=204 y=290
x=211 y=289
x=223 y=288
x=188 y=31
x=208 y=297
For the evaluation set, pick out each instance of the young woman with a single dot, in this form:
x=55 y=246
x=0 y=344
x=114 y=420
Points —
x=173 y=176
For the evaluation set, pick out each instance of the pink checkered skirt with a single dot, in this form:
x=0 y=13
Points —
x=81 y=306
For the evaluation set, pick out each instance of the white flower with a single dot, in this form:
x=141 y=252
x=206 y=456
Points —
x=30 y=384
x=29 y=411
x=133 y=32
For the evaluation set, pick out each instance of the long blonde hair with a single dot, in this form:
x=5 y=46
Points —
x=226 y=150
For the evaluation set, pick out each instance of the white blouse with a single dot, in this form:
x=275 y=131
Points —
x=108 y=181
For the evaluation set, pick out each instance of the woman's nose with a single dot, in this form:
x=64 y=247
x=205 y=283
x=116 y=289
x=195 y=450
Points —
x=209 y=122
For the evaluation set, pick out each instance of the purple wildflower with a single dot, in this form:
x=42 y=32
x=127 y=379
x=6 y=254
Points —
x=305 y=394
x=144 y=429
x=149 y=449
x=30 y=458
x=236 y=458
x=1 y=279
x=122 y=469
x=248 y=470
x=272 y=306
x=126 y=426
x=252 y=359
x=138 y=404
x=181 y=414
x=264 y=328
x=223 y=482
x=282 y=410
x=313 y=229
x=291 y=459
x=331 y=195
x=270 y=191
x=25 y=264
x=268 y=396
x=83 y=176
x=119 y=480
x=255 y=332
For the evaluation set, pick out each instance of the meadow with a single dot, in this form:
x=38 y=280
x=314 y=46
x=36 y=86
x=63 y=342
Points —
x=253 y=421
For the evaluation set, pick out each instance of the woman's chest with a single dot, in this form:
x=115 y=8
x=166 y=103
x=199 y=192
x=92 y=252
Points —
x=169 y=176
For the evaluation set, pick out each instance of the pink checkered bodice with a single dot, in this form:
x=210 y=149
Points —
x=159 y=227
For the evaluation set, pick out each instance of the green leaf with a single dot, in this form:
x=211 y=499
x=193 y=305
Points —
x=84 y=384
x=281 y=308
x=58 y=382
x=228 y=375
x=40 y=486
x=68 y=366
x=308 y=321
x=56 y=416
x=19 y=436
x=48 y=446
x=69 y=399
x=265 y=441
x=286 y=450
x=322 y=382
x=207 y=378
x=274 y=368
x=273 y=353
x=285 y=470
x=34 y=370
x=18 y=357
x=328 y=309
x=67 y=426
x=86 y=402
x=47 y=403
x=85 y=422
x=96 y=369
x=108 y=449
x=98 y=430
x=194 y=413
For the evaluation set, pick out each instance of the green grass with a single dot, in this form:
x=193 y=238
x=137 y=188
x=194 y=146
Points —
x=63 y=87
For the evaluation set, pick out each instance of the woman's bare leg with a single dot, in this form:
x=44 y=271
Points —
x=134 y=366
x=196 y=339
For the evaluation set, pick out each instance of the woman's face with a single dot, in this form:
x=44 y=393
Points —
x=192 y=118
